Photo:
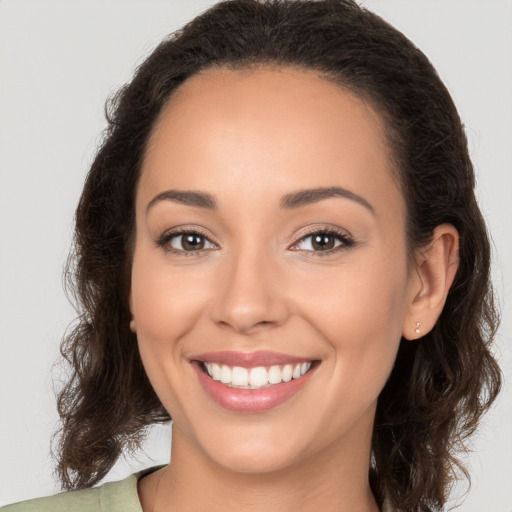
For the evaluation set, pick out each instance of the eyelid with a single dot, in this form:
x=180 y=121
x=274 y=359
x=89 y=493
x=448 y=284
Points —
x=347 y=240
x=164 y=239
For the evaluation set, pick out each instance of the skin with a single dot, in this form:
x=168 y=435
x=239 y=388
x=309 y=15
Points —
x=248 y=138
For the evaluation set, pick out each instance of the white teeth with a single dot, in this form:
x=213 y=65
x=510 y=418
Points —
x=239 y=376
x=287 y=372
x=255 y=378
x=275 y=375
x=258 y=377
x=225 y=374
x=215 y=371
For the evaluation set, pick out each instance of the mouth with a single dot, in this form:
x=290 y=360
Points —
x=258 y=377
x=252 y=383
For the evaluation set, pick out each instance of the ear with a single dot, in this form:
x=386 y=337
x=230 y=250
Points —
x=434 y=272
x=133 y=326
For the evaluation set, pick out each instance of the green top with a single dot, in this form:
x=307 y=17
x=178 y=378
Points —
x=119 y=496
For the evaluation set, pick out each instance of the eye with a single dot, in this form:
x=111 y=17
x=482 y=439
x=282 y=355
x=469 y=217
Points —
x=185 y=241
x=324 y=241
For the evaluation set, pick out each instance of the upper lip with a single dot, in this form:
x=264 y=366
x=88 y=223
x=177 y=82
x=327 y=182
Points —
x=249 y=359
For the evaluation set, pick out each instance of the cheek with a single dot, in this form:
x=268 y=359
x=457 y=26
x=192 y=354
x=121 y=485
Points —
x=363 y=335
x=163 y=305
x=358 y=310
x=164 y=308
x=358 y=303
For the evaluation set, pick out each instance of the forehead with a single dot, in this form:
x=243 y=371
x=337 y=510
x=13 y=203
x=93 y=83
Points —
x=274 y=127
x=265 y=97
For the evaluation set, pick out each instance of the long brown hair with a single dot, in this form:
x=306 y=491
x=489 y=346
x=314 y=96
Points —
x=439 y=387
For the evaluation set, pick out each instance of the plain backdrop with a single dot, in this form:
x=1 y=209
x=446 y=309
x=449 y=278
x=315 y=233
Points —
x=59 y=60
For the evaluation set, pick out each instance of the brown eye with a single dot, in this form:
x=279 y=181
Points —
x=189 y=241
x=322 y=242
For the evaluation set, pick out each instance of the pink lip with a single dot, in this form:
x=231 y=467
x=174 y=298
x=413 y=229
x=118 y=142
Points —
x=250 y=400
x=249 y=359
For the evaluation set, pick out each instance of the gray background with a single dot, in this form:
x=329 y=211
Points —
x=59 y=61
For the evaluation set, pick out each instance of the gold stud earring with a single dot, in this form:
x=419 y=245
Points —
x=417 y=330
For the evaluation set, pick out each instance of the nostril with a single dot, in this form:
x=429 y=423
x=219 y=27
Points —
x=247 y=328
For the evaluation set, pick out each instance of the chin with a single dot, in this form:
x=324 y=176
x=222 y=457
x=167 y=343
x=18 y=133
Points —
x=251 y=461
x=250 y=449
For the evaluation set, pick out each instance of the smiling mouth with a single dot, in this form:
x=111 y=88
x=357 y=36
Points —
x=257 y=377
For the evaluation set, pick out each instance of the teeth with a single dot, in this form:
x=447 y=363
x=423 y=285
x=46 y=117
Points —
x=215 y=371
x=275 y=375
x=225 y=374
x=255 y=378
x=239 y=376
x=258 y=377
x=287 y=373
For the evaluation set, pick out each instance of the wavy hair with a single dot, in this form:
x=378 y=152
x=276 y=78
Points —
x=439 y=386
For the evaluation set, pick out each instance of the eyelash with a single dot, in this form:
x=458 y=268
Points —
x=347 y=242
x=166 y=238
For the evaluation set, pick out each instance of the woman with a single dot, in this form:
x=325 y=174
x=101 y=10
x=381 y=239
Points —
x=279 y=246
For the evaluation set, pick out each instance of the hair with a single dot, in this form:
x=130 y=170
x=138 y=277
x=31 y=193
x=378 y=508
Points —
x=439 y=387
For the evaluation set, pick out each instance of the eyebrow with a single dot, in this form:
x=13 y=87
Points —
x=314 y=195
x=290 y=201
x=186 y=197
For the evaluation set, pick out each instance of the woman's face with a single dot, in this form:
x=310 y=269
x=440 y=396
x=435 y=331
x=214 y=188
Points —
x=270 y=253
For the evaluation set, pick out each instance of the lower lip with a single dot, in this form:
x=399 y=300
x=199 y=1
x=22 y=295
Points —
x=250 y=400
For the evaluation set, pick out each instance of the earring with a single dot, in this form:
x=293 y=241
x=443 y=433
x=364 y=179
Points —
x=417 y=330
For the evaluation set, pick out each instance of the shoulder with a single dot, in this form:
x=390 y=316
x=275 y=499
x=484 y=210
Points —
x=87 y=499
x=118 y=496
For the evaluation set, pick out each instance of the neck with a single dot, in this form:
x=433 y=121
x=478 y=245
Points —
x=327 y=482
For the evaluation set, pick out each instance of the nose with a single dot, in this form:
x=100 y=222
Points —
x=251 y=296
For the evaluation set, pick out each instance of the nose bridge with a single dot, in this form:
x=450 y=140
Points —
x=250 y=296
